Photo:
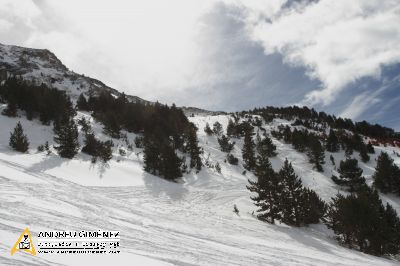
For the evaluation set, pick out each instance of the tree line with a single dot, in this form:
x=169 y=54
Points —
x=167 y=134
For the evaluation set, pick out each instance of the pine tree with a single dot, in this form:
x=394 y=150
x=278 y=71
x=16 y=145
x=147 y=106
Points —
x=364 y=153
x=18 y=140
x=316 y=154
x=312 y=208
x=170 y=163
x=225 y=144
x=370 y=148
x=193 y=148
x=265 y=147
x=151 y=155
x=208 y=130
x=248 y=152
x=231 y=129
x=392 y=232
x=82 y=103
x=387 y=175
x=268 y=189
x=11 y=110
x=348 y=151
x=232 y=159
x=332 y=142
x=350 y=175
x=112 y=126
x=105 y=150
x=291 y=195
x=217 y=128
x=361 y=221
x=66 y=136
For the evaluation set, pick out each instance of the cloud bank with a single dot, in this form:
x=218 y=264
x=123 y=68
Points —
x=338 y=56
x=338 y=41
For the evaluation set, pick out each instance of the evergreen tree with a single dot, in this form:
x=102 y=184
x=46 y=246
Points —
x=268 y=189
x=299 y=205
x=248 y=152
x=332 y=142
x=160 y=158
x=364 y=153
x=18 y=140
x=265 y=147
x=170 y=163
x=66 y=136
x=348 y=151
x=193 y=148
x=350 y=175
x=151 y=155
x=361 y=221
x=291 y=195
x=105 y=151
x=312 y=208
x=97 y=148
x=232 y=159
x=112 y=126
x=11 y=110
x=287 y=134
x=370 y=148
x=217 y=128
x=82 y=103
x=387 y=174
x=208 y=130
x=231 y=129
x=225 y=144
x=316 y=154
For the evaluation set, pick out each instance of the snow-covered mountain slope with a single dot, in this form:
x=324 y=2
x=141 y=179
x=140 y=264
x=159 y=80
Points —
x=42 y=66
x=161 y=223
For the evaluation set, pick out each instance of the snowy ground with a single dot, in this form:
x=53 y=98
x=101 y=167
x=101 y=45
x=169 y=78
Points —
x=161 y=223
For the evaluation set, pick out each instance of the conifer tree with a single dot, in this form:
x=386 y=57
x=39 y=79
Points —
x=231 y=129
x=316 y=154
x=232 y=159
x=208 y=130
x=361 y=221
x=287 y=134
x=268 y=189
x=11 y=110
x=217 y=128
x=350 y=175
x=151 y=155
x=291 y=195
x=265 y=147
x=299 y=205
x=348 y=151
x=313 y=208
x=82 y=103
x=170 y=163
x=66 y=136
x=387 y=174
x=225 y=144
x=248 y=152
x=18 y=140
x=112 y=127
x=332 y=142
x=364 y=153
x=370 y=148
x=193 y=148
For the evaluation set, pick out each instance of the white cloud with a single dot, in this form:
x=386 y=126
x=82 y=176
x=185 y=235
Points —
x=338 y=41
x=168 y=50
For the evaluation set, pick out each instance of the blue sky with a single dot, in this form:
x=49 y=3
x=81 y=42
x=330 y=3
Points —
x=341 y=56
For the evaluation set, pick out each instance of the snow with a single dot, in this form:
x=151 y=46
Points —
x=161 y=223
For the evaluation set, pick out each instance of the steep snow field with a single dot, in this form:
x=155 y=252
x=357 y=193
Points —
x=161 y=223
